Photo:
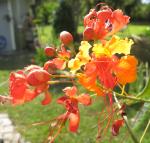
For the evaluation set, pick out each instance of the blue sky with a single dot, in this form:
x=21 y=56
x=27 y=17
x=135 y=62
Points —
x=146 y=1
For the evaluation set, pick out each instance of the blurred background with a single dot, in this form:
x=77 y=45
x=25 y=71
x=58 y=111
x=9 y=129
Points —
x=28 y=26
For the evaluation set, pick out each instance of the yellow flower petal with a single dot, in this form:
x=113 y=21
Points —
x=100 y=50
x=81 y=58
x=74 y=65
x=85 y=46
x=84 y=50
x=120 y=46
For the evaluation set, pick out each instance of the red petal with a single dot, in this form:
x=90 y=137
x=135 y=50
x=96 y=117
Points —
x=119 y=20
x=90 y=18
x=90 y=69
x=41 y=88
x=29 y=95
x=74 y=120
x=64 y=53
x=47 y=98
x=116 y=126
x=61 y=100
x=70 y=91
x=17 y=87
x=84 y=99
x=59 y=63
x=88 y=33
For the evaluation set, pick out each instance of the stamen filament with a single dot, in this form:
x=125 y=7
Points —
x=58 y=81
x=63 y=76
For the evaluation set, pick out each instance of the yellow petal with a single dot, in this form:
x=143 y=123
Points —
x=81 y=58
x=74 y=65
x=120 y=46
x=85 y=46
x=100 y=50
x=84 y=50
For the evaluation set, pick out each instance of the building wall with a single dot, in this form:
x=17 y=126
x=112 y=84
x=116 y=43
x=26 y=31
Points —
x=12 y=17
x=20 y=10
x=6 y=27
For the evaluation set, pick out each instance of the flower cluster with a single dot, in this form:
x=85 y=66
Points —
x=102 y=63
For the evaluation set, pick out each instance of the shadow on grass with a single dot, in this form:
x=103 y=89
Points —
x=16 y=60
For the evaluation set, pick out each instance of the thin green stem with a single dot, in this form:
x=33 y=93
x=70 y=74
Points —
x=132 y=98
x=3 y=83
x=134 y=138
x=145 y=131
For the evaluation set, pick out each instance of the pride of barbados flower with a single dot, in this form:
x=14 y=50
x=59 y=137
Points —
x=22 y=81
x=103 y=65
x=70 y=101
x=100 y=65
x=102 y=23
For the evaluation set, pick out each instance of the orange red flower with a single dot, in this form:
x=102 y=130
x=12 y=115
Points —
x=22 y=81
x=19 y=90
x=70 y=101
x=102 y=23
x=99 y=66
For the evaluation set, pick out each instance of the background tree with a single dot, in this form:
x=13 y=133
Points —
x=45 y=12
x=64 y=19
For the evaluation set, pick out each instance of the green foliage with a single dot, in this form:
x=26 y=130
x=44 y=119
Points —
x=4 y=82
x=134 y=8
x=141 y=13
x=45 y=12
x=47 y=37
x=141 y=82
x=40 y=57
x=147 y=32
x=142 y=117
x=64 y=19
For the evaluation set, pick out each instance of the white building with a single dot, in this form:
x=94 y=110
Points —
x=12 y=16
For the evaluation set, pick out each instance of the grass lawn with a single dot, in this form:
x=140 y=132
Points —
x=23 y=116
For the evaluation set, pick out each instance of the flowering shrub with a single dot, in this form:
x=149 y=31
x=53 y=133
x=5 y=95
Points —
x=100 y=66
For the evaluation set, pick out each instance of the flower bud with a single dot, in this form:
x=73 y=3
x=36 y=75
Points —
x=50 y=67
x=38 y=77
x=49 y=51
x=66 y=37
